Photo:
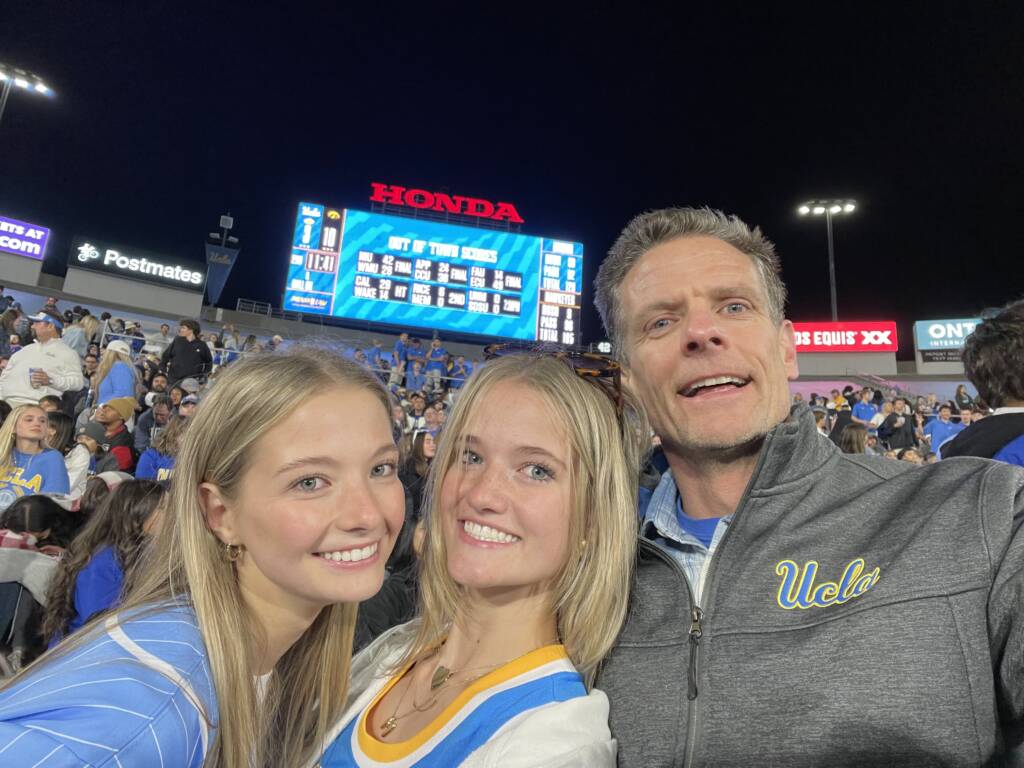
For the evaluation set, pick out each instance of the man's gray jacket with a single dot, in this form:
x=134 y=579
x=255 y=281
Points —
x=858 y=611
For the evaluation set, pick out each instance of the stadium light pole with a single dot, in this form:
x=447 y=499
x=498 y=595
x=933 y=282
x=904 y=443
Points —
x=828 y=209
x=12 y=78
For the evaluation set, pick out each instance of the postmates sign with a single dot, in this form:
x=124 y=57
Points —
x=865 y=336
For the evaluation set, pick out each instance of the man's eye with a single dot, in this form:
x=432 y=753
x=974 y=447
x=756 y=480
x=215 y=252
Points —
x=661 y=322
x=735 y=308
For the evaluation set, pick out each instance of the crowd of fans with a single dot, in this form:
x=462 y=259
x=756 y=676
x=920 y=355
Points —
x=907 y=428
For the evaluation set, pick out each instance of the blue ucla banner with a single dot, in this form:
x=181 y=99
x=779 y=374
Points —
x=219 y=262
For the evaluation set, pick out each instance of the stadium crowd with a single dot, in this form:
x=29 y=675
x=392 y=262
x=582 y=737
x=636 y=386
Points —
x=96 y=509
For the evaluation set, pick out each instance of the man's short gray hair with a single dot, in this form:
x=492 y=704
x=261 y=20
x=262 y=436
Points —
x=651 y=229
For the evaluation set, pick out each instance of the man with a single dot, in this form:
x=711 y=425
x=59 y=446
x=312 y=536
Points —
x=941 y=429
x=188 y=355
x=373 y=355
x=793 y=605
x=993 y=359
x=865 y=410
x=414 y=353
x=46 y=367
x=459 y=373
x=157 y=387
x=437 y=365
x=898 y=428
x=161 y=340
x=137 y=339
x=154 y=418
x=117 y=440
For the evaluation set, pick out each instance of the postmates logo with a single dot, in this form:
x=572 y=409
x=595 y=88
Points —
x=801 y=589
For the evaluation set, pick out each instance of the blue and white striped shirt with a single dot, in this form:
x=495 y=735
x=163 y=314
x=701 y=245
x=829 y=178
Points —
x=661 y=527
x=138 y=693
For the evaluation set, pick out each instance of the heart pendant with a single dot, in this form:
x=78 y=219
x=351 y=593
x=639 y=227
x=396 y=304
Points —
x=441 y=676
x=389 y=725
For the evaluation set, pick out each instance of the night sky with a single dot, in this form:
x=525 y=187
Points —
x=168 y=115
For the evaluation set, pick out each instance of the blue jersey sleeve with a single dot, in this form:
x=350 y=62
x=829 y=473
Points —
x=146 y=469
x=54 y=472
x=98 y=586
x=138 y=694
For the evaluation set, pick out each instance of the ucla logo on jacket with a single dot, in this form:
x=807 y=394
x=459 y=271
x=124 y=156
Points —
x=800 y=588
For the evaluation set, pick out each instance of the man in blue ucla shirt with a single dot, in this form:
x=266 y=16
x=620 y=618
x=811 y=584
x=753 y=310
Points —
x=794 y=605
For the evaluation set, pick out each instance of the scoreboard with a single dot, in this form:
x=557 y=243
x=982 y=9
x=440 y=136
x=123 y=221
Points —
x=413 y=273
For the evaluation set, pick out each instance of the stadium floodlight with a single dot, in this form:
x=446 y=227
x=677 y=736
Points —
x=828 y=209
x=13 y=77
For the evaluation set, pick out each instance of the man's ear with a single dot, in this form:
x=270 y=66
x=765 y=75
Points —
x=787 y=340
x=220 y=517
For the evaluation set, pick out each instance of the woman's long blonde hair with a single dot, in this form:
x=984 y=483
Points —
x=591 y=592
x=110 y=358
x=8 y=437
x=308 y=684
x=90 y=326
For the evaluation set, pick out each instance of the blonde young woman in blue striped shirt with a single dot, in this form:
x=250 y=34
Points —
x=232 y=647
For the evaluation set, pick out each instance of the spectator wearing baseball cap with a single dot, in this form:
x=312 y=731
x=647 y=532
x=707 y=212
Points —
x=45 y=367
x=90 y=454
x=117 y=439
x=190 y=385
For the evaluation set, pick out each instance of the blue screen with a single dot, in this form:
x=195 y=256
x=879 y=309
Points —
x=414 y=273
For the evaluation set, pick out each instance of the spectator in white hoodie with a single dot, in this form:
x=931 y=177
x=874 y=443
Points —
x=46 y=367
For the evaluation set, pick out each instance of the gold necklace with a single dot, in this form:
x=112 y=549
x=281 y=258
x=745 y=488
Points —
x=438 y=680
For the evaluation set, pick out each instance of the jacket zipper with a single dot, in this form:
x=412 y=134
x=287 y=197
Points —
x=696 y=631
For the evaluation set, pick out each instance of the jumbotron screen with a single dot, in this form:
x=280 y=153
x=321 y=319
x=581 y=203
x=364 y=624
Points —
x=413 y=273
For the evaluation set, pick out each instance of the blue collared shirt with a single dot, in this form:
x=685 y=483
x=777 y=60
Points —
x=661 y=527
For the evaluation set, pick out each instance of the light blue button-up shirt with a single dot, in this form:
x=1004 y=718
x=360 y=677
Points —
x=661 y=527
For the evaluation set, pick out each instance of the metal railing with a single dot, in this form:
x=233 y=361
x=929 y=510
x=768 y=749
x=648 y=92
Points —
x=266 y=310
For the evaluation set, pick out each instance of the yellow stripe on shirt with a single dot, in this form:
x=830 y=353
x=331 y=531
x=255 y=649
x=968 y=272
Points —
x=381 y=751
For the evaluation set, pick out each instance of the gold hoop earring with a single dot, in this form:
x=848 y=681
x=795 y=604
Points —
x=232 y=552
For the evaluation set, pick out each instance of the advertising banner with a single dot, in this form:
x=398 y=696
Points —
x=135 y=264
x=867 y=336
x=940 y=341
x=22 y=238
x=219 y=261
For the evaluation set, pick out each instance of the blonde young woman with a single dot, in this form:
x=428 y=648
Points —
x=27 y=465
x=232 y=647
x=530 y=540
x=116 y=376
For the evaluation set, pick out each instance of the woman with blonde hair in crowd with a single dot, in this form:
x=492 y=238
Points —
x=81 y=333
x=524 y=583
x=232 y=646
x=27 y=465
x=116 y=375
